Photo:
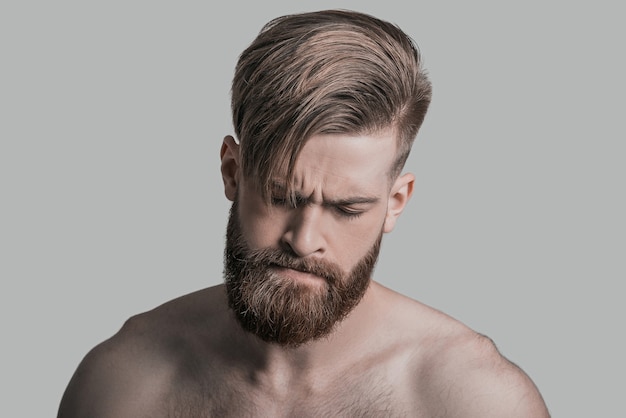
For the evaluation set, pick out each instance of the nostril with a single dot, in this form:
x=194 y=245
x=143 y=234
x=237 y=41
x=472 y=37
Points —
x=288 y=249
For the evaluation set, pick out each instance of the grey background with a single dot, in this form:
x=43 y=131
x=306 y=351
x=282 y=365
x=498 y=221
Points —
x=112 y=115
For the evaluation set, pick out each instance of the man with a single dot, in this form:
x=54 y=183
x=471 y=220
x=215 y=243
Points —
x=325 y=107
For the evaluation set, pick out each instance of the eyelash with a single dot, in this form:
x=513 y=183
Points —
x=348 y=214
x=283 y=201
x=344 y=213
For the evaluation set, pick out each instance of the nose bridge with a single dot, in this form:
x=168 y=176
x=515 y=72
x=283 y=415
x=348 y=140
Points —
x=305 y=234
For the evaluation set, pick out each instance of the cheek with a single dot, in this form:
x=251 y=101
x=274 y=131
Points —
x=355 y=239
x=260 y=228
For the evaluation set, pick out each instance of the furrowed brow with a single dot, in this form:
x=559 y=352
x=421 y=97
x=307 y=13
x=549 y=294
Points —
x=281 y=190
x=356 y=200
x=280 y=187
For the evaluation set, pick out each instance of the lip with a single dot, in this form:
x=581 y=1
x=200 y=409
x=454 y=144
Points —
x=297 y=274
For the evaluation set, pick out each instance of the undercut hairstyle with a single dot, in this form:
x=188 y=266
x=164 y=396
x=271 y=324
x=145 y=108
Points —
x=327 y=72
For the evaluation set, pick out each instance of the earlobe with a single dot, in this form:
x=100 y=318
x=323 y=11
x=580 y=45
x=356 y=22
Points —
x=398 y=198
x=229 y=155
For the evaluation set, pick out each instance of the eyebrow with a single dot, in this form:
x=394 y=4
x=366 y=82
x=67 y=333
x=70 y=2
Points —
x=356 y=200
x=346 y=201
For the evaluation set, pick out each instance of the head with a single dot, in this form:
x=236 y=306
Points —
x=325 y=107
x=330 y=72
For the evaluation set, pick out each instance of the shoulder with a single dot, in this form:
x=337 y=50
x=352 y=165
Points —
x=133 y=372
x=458 y=372
x=118 y=377
x=468 y=377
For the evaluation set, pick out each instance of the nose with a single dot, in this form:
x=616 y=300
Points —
x=304 y=235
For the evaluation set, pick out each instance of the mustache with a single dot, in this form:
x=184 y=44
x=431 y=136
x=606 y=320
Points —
x=327 y=270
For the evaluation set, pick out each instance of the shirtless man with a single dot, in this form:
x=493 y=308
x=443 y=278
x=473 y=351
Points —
x=325 y=108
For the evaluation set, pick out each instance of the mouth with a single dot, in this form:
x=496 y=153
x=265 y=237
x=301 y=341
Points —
x=297 y=275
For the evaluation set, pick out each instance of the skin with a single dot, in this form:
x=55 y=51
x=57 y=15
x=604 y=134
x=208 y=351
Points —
x=392 y=356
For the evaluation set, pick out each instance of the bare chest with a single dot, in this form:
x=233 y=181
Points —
x=355 y=396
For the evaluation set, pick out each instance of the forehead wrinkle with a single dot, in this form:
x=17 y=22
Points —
x=319 y=196
x=325 y=173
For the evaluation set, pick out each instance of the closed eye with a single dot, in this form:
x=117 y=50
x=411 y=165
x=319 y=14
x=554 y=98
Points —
x=347 y=212
x=279 y=201
x=288 y=201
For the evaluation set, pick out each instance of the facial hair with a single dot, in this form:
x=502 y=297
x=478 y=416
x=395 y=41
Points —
x=278 y=309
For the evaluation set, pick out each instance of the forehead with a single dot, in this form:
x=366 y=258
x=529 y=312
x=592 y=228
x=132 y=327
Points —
x=338 y=164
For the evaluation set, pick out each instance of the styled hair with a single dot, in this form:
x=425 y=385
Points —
x=326 y=72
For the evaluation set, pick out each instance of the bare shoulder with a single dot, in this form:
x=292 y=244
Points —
x=132 y=373
x=468 y=377
x=119 y=377
x=461 y=373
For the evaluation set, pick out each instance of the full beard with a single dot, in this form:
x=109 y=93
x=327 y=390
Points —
x=284 y=311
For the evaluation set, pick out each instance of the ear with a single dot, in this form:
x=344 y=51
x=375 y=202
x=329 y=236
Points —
x=229 y=155
x=401 y=192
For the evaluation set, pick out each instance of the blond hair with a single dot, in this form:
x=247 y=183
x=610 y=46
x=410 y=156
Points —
x=327 y=72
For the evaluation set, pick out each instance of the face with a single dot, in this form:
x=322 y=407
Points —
x=297 y=266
